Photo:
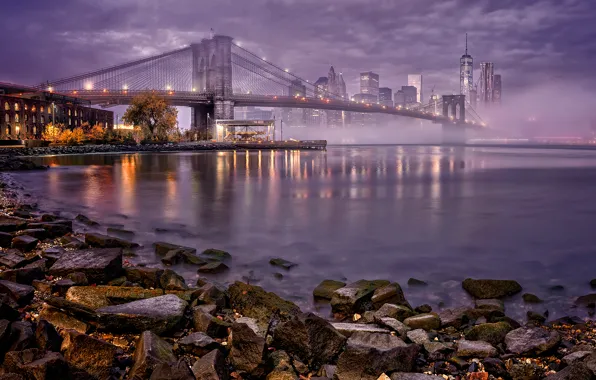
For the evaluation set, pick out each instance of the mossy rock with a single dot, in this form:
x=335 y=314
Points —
x=493 y=333
x=217 y=254
x=485 y=289
x=531 y=298
x=326 y=288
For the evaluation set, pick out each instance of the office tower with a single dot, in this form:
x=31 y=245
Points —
x=385 y=97
x=466 y=73
x=415 y=80
x=399 y=98
x=334 y=118
x=369 y=84
x=364 y=119
x=497 y=89
x=487 y=83
x=410 y=95
x=295 y=116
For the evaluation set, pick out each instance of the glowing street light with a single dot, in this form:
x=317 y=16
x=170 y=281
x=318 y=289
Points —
x=51 y=89
x=125 y=87
x=168 y=87
x=194 y=89
x=88 y=86
x=287 y=70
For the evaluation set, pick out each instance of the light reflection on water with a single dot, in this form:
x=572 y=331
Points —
x=394 y=212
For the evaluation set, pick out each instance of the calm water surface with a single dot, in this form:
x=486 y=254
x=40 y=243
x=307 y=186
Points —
x=391 y=212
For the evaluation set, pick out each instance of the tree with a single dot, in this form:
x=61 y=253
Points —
x=52 y=132
x=152 y=113
x=78 y=136
x=86 y=127
x=96 y=133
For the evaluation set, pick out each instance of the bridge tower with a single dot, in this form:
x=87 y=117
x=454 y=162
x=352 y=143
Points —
x=212 y=73
x=454 y=106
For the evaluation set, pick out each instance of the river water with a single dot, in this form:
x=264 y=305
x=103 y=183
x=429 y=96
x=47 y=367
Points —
x=390 y=212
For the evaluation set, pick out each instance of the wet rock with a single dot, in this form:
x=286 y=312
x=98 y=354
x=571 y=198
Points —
x=252 y=323
x=490 y=304
x=158 y=314
x=369 y=355
x=7 y=308
x=27 y=274
x=216 y=254
x=493 y=333
x=198 y=344
x=282 y=366
x=5 y=240
x=161 y=248
x=531 y=298
x=326 y=288
x=11 y=260
x=71 y=242
x=24 y=243
x=426 y=322
x=357 y=296
x=174 y=371
x=535 y=317
x=398 y=312
x=170 y=280
x=418 y=336
x=309 y=337
x=416 y=282
x=85 y=220
x=8 y=224
x=46 y=336
x=347 y=329
x=88 y=354
x=575 y=356
x=21 y=294
x=55 y=229
x=22 y=336
x=423 y=309
x=589 y=300
x=71 y=308
x=215 y=267
x=207 y=323
x=393 y=324
x=147 y=277
x=246 y=349
x=150 y=352
x=485 y=289
x=412 y=376
x=531 y=340
x=282 y=263
x=254 y=302
x=211 y=367
x=37 y=233
x=176 y=256
x=576 y=371
x=105 y=241
x=99 y=265
x=495 y=367
x=62 y=320
x=211 y=293
x=390 y=293
x=35 y=364
x=95 y=297
x=475 y=349
x=78 y=278
x=4 y=336
x=121 y=233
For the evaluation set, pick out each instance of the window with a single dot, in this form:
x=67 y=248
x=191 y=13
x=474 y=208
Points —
x=16 y=106
x=6 y=107
x=69 y=112
x=25 y=107
x=49 y=110
x=34 y=119
x=34 y=130
x=26 y=117
x=42 y=119
x=41 y=109
x=7 y=118
x=69 y=120
x=16 y=118
x=75 y=113
x=33 y=109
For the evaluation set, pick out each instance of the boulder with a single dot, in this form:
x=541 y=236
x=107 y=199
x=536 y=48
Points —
x=490 y=304
x=495 y=367
x=531 y=340
x=418 y=336
x=356 y=297
x=5 y=239
x=246 y=348
x=62 y=320
x=146 y=277
x=176 y=256
x=254 y=302
x=390 y=310
x=54 y=229
x=198 y=344
x=216 y=254
x=215 y=267
x=99 y=264
x=35 y=364
x=347 y=329
x=416 y=282
x=485 y=289
x=368 y=355
x=214 y=294
x=12 y=260
x=158 y=314
x=121 y=233
x=95 y=297
x=87 y=354
x=412 y=376
x=576 y=371
x=85 y=220
x=589 y=300
x=493 y=333
x=211 y=367
x=475 y=349
x=37 y=233
x=4 y=336
x=309 y=337
x=575 y=356
x=326 y=288
x=161 y=248
x=282 y=263
x=24 y=243
x=8 y=224
x=21 y=294
x=150 y=352
x=27 y=274
x=46 y=336
x=105 y=241
x=207 y=323
x=7 y=308
x=393 y=324
x=390 y=293
x=531 y=298
x=430 y=321
x=252 y=323
x=21 y=336
x=172 y=371
x=282 y=366
x=79 y=278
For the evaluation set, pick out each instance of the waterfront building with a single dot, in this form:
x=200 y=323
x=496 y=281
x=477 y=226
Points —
x=466 y=73
x=385 y=97
x=487 y=83
x=415 y=80
x=369 y=84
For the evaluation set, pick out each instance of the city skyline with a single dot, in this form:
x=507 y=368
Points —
x=84 y=42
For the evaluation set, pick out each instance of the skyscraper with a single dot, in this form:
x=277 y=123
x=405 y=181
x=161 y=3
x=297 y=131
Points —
x=369 y=83
x=487 y=83
x=334 y=118
x=410 y=95
x=318 y=117
x=497 y=89
x=400 y=98
x=295 y=116
x=466 y=73
x=415 y=80
x=385 y=97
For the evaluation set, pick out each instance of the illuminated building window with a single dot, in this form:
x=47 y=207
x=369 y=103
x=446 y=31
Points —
x=34 y=119
x=69 y=112
x=16 y=106
x=69 y=120
x=6 y=107
x=75 y=113
x=26 y=117
x=33 y=109
x=49 y=110
x=7 y=118
x=25 y=107
x=41 y=109
x=16 y=118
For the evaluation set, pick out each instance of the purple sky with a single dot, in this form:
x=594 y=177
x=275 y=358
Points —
x=529 y=41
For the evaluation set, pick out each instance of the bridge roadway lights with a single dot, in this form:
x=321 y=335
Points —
x=454 y=134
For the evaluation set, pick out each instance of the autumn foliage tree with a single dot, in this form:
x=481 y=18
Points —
x=152 y=113
x=96 y=133
x=52 y=132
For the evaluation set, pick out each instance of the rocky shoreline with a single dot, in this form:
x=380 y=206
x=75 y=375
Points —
x=72 y=306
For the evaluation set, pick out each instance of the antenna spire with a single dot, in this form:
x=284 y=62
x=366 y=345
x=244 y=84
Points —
x=466 y=43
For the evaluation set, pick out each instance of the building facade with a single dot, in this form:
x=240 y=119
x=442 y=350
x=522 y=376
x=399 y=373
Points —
x=364 y=119
x=466 y=73
x=24 y=116
x=487 y=84
x=415 y=80
x=295 y=117
x=385 y=97
x=497 y=89
x=410 y=95
x=369 y=84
